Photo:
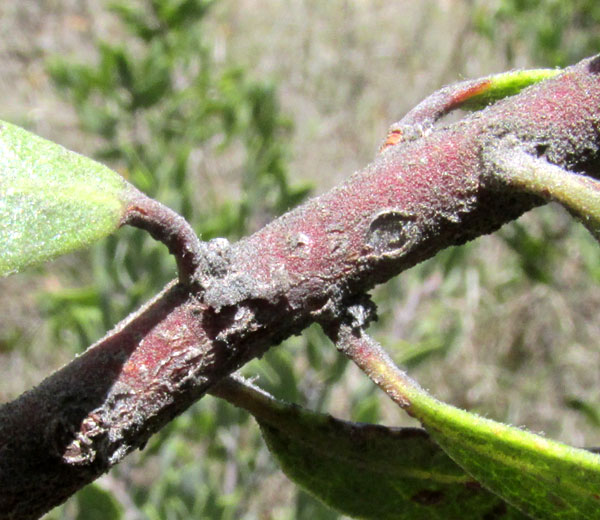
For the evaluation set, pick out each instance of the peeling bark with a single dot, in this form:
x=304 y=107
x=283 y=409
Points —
x=416 y=198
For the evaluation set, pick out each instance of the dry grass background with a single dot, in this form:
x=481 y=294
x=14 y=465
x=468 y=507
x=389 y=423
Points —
x=346 y=70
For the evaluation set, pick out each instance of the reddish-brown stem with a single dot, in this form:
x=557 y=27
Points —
x=421 y=119
x=470 y=94
x=375 y=362
x=168 y=227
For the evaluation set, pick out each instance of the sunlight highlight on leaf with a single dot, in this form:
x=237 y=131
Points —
x=544 y=478
x=52 y=201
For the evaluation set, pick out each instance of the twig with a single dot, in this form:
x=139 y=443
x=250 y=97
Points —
x=171 y=229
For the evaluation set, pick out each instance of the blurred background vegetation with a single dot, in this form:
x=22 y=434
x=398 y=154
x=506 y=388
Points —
x=231 y=112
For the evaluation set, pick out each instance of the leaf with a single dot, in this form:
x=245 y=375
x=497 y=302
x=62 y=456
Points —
x=52 y=201
x=96 y=503
x=374 y=472
x=544 y=478
x=365 y=470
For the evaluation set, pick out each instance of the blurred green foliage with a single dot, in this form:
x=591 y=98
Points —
x=96 y=503
x=552 y=32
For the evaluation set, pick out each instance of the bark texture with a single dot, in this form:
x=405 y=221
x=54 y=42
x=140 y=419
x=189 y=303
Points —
x=312 y=264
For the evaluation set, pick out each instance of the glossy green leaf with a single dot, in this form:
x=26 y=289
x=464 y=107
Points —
x=544 y=478
x=502 y=85
x=52 y=201
x=365 y=470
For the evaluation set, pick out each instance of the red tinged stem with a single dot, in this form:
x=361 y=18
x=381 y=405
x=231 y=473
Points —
x=169 y=228
x=422 y=118
x=375 y=362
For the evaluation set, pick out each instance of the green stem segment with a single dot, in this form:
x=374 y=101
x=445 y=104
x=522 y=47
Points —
x=245 y=395
x=578 y=193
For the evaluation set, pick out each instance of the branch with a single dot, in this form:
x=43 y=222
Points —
x=416 y=198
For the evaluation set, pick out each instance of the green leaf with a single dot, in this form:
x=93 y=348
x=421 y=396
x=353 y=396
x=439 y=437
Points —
x=543 y=478
x=96 y=503
x=502 y=85
x=52 y=201
x=373 y=472
x=365 y=470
